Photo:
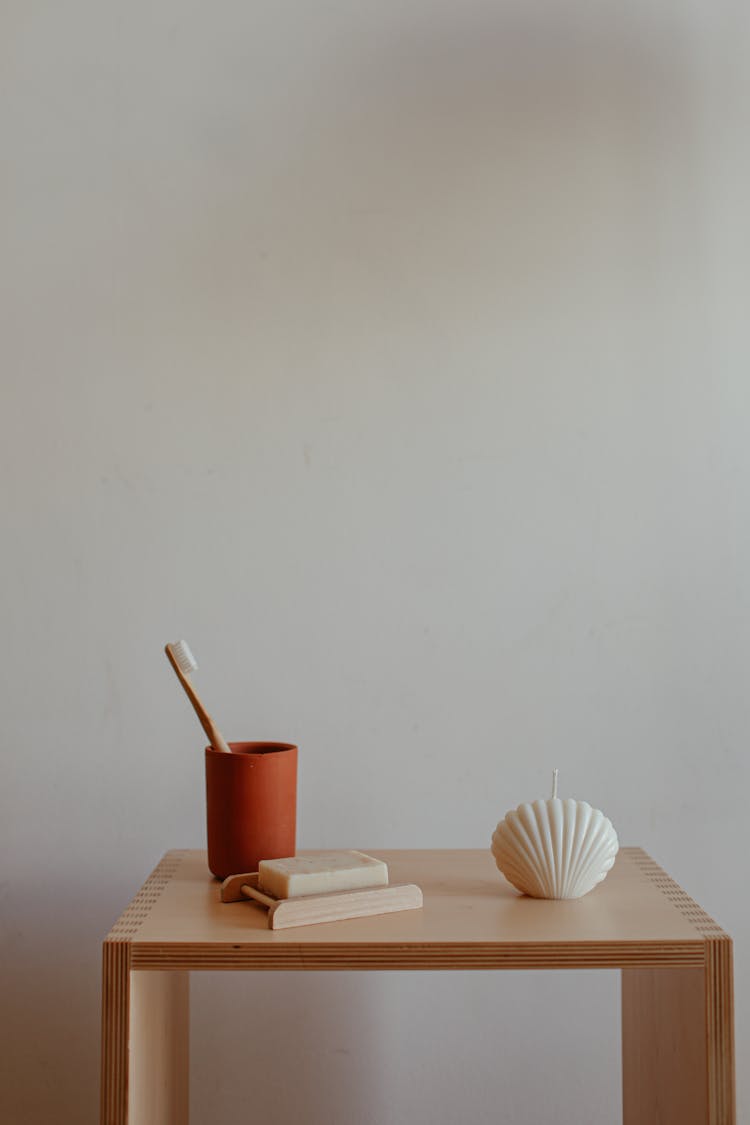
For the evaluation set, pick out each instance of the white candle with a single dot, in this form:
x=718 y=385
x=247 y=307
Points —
x=555 y=848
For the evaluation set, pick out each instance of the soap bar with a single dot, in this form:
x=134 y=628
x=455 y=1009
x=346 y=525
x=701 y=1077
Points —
x=320 y=873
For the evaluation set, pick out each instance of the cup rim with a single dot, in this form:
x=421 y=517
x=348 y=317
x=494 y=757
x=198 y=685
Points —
x=256 y=749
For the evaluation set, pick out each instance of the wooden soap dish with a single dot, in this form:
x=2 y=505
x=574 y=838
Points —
x=306 y=910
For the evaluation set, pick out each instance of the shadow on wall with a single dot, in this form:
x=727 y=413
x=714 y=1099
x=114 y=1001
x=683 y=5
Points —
x=461 y=173
x=50 y=1025
x=421 y=169
x=512 y=156
x=315 y=1041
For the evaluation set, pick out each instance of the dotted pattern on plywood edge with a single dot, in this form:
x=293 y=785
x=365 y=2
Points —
x=672 y=891
x=137 y=911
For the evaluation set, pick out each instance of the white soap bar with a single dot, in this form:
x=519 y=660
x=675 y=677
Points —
x=320 y=873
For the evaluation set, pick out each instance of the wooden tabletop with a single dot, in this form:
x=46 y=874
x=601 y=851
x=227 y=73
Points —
x=472 y=918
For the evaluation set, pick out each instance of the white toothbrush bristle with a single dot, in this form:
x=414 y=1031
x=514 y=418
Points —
x=184 y=657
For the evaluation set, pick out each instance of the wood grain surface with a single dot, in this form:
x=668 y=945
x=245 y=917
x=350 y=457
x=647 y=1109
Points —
x=676 y=962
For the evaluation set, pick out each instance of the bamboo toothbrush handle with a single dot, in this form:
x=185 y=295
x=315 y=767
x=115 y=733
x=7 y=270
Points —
x=213 y=733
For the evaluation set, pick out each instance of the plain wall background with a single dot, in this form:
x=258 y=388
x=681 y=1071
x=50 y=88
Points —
x=396 y=356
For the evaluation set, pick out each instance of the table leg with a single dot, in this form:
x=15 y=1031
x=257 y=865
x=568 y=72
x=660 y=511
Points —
x=145 y=1029
x=678 y=1043
x=159 y=1048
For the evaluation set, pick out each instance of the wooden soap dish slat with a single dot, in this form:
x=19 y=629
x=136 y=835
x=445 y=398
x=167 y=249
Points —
x=307 y=910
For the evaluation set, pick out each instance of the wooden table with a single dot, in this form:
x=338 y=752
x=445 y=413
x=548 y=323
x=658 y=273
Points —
x=675 y=962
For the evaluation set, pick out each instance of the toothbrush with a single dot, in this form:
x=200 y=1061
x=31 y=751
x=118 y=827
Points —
x=183 y=662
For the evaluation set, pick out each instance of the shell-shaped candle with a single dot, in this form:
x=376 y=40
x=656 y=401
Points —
x=555 y=848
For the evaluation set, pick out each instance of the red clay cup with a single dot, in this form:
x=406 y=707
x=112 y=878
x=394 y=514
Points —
x=251 y=805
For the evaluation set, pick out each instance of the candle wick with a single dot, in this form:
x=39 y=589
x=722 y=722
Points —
x=554 y=784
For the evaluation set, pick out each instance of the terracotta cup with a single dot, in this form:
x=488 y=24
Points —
x=251 y=805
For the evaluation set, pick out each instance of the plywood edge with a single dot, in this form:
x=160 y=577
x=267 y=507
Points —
x=115 y=1009
x=139 y=908
x=323 y=955
x=720 y=1029
x=698 y=918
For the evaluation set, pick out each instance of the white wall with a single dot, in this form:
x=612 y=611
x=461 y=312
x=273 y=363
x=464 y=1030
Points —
x=396 y=356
